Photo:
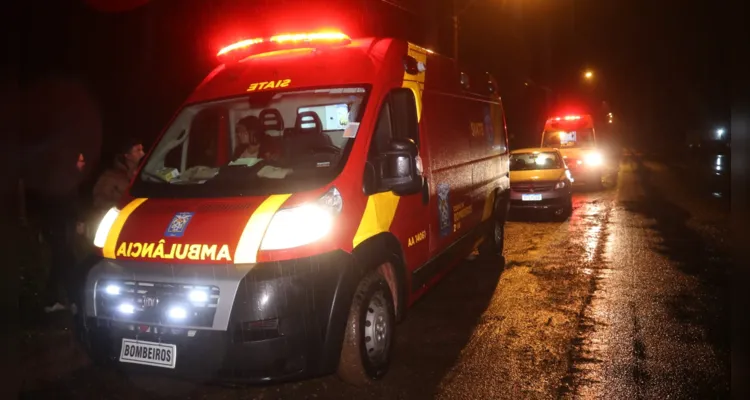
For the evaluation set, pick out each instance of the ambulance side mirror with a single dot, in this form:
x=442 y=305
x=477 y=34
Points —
x=400 y=169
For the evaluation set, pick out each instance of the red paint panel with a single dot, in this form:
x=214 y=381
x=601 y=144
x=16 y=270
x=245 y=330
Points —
x=214 y=222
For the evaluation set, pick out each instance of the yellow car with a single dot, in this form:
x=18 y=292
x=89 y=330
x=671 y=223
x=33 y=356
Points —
x=540 y=180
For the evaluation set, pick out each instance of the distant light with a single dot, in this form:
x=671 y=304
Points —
x=720 y=132
x=177 y=313
x=589 y=75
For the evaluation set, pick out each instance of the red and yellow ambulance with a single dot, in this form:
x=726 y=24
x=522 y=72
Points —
x=306 y=194
x=575 y=137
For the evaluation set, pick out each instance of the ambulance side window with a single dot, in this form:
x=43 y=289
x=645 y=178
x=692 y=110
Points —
x=397 y=119
x=383 y=133
x=404 y=109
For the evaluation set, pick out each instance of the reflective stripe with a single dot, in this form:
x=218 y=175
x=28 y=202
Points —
x=416 y=83
x=114 y=233
x=247 y=247
x=381 y=208
x=378 y=216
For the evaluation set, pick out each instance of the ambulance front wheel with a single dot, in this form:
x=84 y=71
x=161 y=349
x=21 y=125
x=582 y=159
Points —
x=368 y=340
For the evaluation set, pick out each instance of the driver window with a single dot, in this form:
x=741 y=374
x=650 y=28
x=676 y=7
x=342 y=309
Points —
x=397 y=119
x=383 y=133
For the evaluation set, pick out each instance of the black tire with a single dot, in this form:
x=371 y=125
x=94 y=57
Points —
x=494 y=240
x=372 y=315
x=566 y=211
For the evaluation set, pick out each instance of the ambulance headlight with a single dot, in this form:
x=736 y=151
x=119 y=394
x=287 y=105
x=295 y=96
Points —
x=126 y=308
x=112 y=290
x=177 y=312
x=594 y=159
x=305 y=224
x=104 y=226
x=198 y=296
x=298 y=226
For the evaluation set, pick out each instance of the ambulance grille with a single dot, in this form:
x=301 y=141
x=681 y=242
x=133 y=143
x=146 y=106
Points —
x=172 y=304
x=529 y=187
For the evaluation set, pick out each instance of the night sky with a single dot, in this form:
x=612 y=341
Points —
x=661 y=65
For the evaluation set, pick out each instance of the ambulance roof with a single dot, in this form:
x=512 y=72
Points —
x=360 y=62
x=534 y=149
x=364 y=61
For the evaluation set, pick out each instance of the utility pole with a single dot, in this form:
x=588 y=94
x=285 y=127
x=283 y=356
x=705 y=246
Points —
x=457 y=12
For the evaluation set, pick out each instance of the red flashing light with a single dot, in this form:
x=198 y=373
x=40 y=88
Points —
x=246 y=48
x=239 y=45
x=316 y=37
x=566 y=118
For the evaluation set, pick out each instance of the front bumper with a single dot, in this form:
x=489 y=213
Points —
x=551 y=199
x=585 y=174
x=273 y=321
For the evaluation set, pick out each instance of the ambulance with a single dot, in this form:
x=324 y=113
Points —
x=575 y=137
x=378 y=166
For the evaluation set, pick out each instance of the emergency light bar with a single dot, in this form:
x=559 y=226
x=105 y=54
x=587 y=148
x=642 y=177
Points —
x=246 y=48
x=566 y=118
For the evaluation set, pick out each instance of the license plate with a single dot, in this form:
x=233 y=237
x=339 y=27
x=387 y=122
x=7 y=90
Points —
x=531 y=197
x=148 y=353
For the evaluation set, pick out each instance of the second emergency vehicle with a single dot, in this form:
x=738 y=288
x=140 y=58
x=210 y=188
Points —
x=308 y=192
x=575 y=137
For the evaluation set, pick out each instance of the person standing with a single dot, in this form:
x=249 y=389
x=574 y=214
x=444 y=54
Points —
x=60 y=209
x=115 y=180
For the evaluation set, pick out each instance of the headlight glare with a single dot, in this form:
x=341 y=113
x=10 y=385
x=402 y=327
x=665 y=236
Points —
x=297 y=226
x=302 y=225
x=594 y=159
x=112 y=290
x=198 y=296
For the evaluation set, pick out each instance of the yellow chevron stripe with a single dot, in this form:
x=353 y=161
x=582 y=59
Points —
x=114 y=233
x=252 y=236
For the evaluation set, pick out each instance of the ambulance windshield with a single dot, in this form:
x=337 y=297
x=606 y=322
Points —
x=262 y=143
x=534 y=161
x=568 y=138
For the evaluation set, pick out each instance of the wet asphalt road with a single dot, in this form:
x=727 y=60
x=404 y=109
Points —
x=626 y=299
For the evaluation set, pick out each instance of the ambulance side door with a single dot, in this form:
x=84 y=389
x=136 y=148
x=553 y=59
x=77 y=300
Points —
x=450 y=168
x=397 y=118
